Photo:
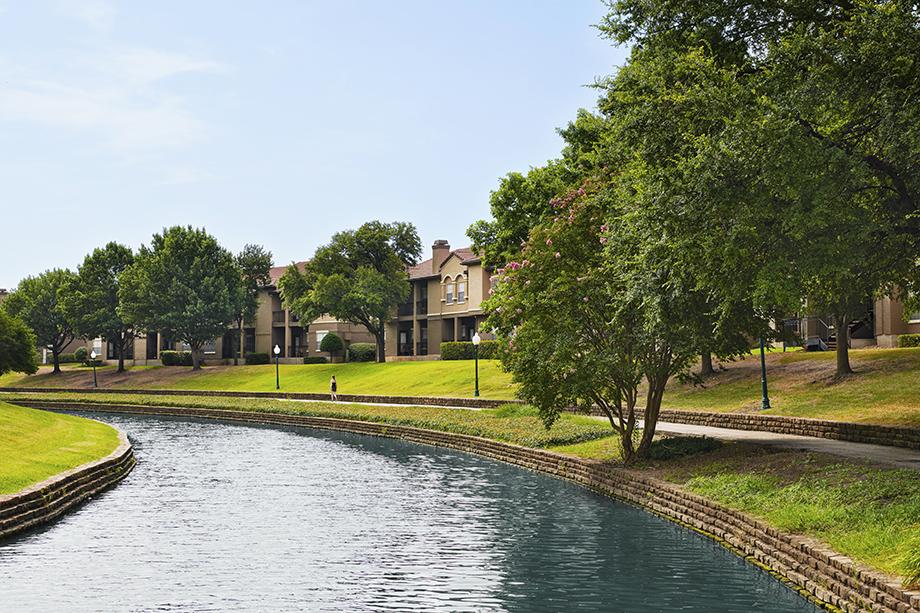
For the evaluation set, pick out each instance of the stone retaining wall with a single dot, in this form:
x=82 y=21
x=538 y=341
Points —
x=49 y=499
x=815 y=571
x=892 y=436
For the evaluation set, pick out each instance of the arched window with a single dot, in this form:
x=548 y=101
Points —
x=461 y=289
x=448 y=290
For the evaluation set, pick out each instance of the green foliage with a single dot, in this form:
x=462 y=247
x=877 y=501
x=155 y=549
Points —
x=176 y=358
x=17 y=346
x=911 y=563
x=315 y=359
x=255 y=358
x=909 y=340
x=184 y=285
x=362 y=352
x=680 y=446
x=90 y=299
x=359 y=277
x=331 y=343
x=81 y=354
x=465 y=350
x=37 y=302
x=68 y=358
x=253 y=264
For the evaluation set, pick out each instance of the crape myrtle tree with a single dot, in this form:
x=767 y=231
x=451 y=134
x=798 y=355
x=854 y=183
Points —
x=788 y=135
x=359 y=277
x=17 y=346
x=254 y=264
x=90 y=299
x=37 y=302
x=595 y=308
x=185 y=285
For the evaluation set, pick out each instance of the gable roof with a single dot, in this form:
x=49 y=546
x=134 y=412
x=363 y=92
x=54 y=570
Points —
x=424 y=269
x=276 y=272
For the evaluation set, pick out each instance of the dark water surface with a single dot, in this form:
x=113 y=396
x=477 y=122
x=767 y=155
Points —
x=220 y=517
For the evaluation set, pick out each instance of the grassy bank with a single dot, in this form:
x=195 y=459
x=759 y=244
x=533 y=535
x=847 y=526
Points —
x=870 y=513
x=35 y=445
x=435 y=378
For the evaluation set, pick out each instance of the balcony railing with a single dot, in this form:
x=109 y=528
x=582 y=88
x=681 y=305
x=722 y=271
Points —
x=405 y=309
x=421 y=348
x=421 y=307
x=277 y=317
x=298 y=351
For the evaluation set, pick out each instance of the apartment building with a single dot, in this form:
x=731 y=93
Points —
x=445 y=304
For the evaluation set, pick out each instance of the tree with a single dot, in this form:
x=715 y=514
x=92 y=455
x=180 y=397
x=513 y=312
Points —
x=795 y=132
x=359 y=277
x=17 y=346
x=91 y=298
x=332 y=344
x=595 y=307
x=254 y=264
x=37 y=302
x=184 y=285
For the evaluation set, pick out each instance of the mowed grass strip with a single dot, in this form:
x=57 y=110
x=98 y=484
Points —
x=511 y=423
x=36 y=445
x=447 y=379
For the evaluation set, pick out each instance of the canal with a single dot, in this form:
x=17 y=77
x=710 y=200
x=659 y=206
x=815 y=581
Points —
x=224 y=517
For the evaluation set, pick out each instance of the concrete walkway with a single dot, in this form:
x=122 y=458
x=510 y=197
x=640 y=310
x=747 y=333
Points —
x=895 y=456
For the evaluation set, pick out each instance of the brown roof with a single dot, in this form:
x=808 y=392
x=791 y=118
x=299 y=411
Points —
x=276 y=271
x=423 y=269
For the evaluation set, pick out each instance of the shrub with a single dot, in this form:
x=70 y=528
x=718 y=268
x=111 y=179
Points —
x=257 y=358
x=464 y=350
x=80 y=354
x=176 y=358
x=67 y=358
x=331 y=344
x=909 y=340
x=315 y=359
x=680 y=446
x=362 y=352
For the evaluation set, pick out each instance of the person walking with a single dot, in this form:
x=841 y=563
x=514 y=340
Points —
x=333 y=386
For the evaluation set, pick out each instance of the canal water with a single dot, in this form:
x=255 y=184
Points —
x=223 y=517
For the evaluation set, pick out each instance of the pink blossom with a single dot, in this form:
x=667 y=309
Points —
x=581 y=191
x=525 y=262
x=527 y=282
x=558 y=255
x=603 y=240
x=549 y=241
x=585 y=298
x=604 y=228
x=519 y=311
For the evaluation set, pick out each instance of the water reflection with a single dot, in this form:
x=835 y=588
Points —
x=220 y=517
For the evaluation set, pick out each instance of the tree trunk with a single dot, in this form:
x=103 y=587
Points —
x=706 y=364
x=121 y=353
x=196 y=358
x=56 y=361
x=240 y=349
x=650 y=419
x=381 y=348
x=843 y=345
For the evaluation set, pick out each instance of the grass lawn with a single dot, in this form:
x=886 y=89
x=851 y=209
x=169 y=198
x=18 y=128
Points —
x=868 y=512
x=453 y=378
x=35 y=445
x=885 y=388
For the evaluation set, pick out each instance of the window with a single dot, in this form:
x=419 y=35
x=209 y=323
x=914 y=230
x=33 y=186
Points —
x=319 y=337
x=450 y=292
x=461 y=291
x=209 y=347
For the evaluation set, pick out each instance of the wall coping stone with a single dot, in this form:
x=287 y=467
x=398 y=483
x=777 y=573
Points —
x=818 y=573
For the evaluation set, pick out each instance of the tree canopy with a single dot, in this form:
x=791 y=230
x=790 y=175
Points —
x=254 y=264
x=17 y=346
x=91 y=298
x=184 y=285
x=359 y=277
x=37 y=302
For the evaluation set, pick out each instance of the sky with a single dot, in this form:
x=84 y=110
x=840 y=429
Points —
x=275 y=123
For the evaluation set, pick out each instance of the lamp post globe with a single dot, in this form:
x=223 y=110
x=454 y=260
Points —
x=277 y=352
x=476 y=340
x=92 y=357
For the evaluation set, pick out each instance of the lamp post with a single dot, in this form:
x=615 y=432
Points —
x=765 y=401
x=92 y=357
x=277 y=351
x=476 y=341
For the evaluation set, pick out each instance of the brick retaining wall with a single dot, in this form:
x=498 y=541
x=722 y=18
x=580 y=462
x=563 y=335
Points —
x=802 y=563
x=49 y=499
x=892 y=436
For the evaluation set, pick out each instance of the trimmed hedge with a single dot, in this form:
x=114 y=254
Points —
x=67 y=358
x=315 y=359
x=257 y=358
x=909 y=340
x=176 y=358
x=81 y=354
x=452 y=350
x=362 y=352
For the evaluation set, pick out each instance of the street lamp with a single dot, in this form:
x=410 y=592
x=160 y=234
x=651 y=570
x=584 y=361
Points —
x=765 y=401
x=277 y=351
x=92 y=356
x=476 y=341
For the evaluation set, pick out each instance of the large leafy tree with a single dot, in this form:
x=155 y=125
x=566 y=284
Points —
x=184 y=285
x=91 y=298
x=359 y=277
x=37 y=301
x=788 y=134
x=17 y=346
x=254 y=264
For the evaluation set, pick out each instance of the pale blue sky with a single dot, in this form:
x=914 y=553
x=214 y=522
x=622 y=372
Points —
x=275 y=123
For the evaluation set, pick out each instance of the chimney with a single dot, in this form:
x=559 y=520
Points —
x=439 y=251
